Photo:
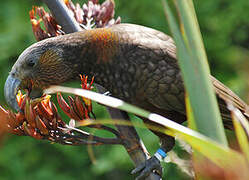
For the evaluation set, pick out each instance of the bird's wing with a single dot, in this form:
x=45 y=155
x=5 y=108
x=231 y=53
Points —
x=226 y=95
x=153 y=39
x=147 y=37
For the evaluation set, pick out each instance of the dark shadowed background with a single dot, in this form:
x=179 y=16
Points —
x=225 y=29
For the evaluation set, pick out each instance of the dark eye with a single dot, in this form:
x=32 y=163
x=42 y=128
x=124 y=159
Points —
x=30 y=63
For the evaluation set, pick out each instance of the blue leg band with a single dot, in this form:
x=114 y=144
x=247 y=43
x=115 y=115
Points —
x=160 y=154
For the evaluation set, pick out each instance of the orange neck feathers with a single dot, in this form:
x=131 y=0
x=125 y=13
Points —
x=104 y=42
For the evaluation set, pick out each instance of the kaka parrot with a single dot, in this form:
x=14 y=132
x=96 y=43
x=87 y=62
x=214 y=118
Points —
x=135 y=63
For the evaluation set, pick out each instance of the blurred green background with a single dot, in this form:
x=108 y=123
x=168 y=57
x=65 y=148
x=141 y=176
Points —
x=225 y=29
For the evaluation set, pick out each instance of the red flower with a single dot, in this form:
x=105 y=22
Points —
x=39 y=118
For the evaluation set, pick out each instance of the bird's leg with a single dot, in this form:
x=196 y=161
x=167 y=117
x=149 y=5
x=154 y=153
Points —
x=153 y=163
x=167 y=142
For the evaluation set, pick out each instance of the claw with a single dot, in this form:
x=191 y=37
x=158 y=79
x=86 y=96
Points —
x=150 y=165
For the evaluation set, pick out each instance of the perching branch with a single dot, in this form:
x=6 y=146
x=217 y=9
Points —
x=100 y=126
x=87 y=138
x=61 y=14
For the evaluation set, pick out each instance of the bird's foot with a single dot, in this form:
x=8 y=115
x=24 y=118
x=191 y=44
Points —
x=150 y=165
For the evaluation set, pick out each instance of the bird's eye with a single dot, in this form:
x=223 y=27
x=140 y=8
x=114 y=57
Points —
x=30 y=63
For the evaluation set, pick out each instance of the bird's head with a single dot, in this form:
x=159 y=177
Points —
x=41 y=65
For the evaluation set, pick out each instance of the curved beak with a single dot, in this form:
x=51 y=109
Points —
x=10 y=90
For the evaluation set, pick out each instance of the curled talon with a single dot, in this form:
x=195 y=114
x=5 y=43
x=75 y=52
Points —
x=150 y=165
